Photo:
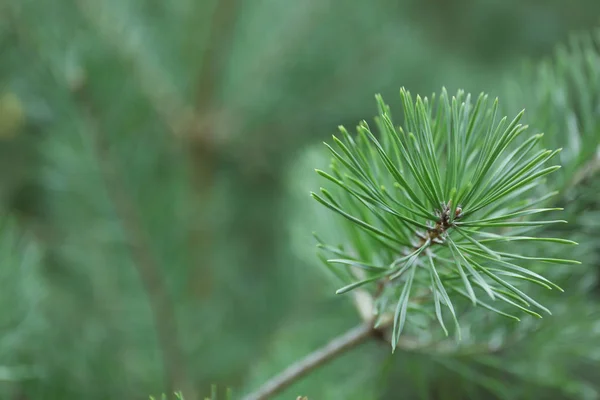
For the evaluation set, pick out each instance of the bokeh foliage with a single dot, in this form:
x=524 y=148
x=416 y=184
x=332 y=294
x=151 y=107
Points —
x=146 y=179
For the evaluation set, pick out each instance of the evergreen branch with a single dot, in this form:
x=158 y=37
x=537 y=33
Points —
x=449 y=180
x=355 y=337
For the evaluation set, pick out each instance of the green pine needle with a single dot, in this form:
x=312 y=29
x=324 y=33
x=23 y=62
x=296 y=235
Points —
x=436 y=200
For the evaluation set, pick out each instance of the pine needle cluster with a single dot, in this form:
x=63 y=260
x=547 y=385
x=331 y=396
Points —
x=428 y=208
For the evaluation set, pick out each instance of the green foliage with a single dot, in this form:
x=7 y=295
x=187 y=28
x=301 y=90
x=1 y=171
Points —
x=202 y=107
x=178 y=396
x=213 y=395
x=554 y=357
x=562 y=97
x=429 y=202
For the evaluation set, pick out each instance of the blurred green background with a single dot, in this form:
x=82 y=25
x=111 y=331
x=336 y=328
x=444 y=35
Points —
x=156 y=158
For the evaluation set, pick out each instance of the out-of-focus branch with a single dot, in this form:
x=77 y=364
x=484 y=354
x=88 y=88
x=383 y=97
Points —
x=219 y=35
x=588 y=170
x=148 y=269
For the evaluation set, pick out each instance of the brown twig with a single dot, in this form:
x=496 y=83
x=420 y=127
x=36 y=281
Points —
x=359 y=334
x=340 y=345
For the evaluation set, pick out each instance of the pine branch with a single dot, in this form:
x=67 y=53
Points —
x=451 y=176
x=344 y=343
